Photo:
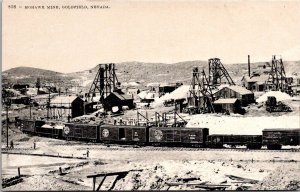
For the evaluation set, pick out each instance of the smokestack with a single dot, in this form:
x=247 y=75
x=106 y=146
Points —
x=249 y=65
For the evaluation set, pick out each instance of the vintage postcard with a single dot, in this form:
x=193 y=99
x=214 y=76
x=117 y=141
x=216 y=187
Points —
x=150 y=95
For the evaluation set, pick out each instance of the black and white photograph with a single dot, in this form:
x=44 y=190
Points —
x=141 y=95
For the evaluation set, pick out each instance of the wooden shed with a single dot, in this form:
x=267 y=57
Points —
x=119 y=100
x=232 y=105
x=256 y=83
x=241 y=93
x=81 y=107
x=77 y=107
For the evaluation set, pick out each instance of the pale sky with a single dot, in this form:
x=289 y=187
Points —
x=159 y=31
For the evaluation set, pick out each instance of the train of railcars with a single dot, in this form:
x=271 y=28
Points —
x=41 y=128
x=160 y=136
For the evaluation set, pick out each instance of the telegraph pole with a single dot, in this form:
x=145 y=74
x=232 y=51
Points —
x=6 y=125
x=48 y=105
x=30 y=107
x=7 y=120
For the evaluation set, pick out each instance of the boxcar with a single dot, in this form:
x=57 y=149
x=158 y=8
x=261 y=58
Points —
x=178 y=136
x=275 y=138
x=124 y=134
x=251 y=141
x=49 y=130
x=27 y=126
x=85 y=132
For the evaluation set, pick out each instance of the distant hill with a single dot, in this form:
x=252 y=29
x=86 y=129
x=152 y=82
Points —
x=142 y=72
x=24 y=71
x=171 y=73
x=30 y=74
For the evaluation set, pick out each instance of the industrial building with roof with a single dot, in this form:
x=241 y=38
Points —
x=242 y=94
x=255 y=83
x=120 y=100
x=231 y=105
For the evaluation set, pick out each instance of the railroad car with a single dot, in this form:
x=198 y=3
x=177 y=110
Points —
x=28 y=126
x=84 y=132
x=275 y=138
x=49 y=130
x=251 y=141
x=178 y=136
x=124 y=134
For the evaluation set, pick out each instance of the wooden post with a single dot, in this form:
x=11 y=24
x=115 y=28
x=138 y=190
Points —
x=19 y=172
x=94 y=183
x=98 y=188
x=60 y=171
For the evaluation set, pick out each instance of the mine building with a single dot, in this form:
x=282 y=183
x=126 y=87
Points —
x=81 y=107
x=25 y=100
x=118 y=99
x=163 y=89
x=133 y=91
x=255 y=83
x=242 y=94
x=147 y=96
x=20 y=86
x=231 y=105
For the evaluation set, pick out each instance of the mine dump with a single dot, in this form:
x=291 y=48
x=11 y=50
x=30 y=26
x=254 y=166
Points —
x=139 y=126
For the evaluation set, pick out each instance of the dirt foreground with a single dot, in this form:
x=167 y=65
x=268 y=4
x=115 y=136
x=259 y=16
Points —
x=153 y=168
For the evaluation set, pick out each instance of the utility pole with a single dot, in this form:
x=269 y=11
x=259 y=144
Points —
x=7 y=120
x=30 y=107
x=6 y=126
x=48 y=105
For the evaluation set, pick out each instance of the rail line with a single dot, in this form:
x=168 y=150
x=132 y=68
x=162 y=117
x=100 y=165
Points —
x=115 y=147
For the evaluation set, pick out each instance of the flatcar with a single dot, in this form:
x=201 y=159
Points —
x=251 y=141
x=124 y=134
x=178 y=136
x=275 y=138
x=83 y=132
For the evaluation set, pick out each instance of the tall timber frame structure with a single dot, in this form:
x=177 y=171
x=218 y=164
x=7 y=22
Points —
x=105 y=81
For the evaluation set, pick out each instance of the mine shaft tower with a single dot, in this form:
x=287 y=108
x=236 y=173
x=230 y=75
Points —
x=277 y=78
x=217 y=72
x=201 y=93
x=105 y=81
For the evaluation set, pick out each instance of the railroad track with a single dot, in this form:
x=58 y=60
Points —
x=114 y=147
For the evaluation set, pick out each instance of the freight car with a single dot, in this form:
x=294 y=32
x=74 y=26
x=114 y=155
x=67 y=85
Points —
x=49 y=130
x=124 y=134
x=30 y=125
x=275 y=138
x=251 y=141
x=178 y=136
x=83 y=132
x=169 y=136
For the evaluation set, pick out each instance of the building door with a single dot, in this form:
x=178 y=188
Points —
x=121 y=133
